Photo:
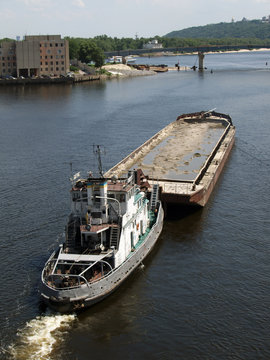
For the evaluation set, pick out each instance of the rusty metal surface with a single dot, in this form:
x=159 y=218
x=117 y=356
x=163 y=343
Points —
x=185 y=158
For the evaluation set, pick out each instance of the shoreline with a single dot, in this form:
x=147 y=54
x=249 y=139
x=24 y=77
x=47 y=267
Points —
x=164 y=53
x=118 y=71
x=124 y=71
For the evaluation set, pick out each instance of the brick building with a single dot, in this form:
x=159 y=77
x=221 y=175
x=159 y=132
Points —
x=8 y=58
x=36 y=55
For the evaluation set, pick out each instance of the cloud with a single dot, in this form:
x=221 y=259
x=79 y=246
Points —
x=36 y=3
x=7 y=14
x=79 y=3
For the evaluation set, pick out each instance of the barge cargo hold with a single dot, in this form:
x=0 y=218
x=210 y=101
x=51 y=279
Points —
x=185 y=158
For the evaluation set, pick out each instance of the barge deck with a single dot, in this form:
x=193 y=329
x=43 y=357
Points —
x=185 y=158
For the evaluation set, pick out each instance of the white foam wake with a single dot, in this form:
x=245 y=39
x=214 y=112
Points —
x=38 y=337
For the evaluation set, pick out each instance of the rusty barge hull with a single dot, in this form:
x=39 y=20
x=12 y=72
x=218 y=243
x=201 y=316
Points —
x=185 y=158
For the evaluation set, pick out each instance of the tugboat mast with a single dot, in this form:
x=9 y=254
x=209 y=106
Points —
x=97 y=152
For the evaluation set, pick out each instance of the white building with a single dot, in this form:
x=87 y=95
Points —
x=153 y=44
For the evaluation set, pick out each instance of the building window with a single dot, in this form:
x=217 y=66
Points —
x=46 y=57
x=3 y=64
x=62 y=62
x=48 y=51
x=57 y=69
x=51 y=57
x=8 y=58
x=63 y=69
x=46 y=62
x=3 y=58
x=46 y=69
x=50 y=45
x=62 y=44
x=56 y=44
x=59 y=51
x=41 y=63
x=51 y=62
x=62 y=56
x=14 y=64
x=56 y=62
x=51 y=69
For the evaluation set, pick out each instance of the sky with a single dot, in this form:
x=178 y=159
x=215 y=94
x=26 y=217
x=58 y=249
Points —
x=120 y=18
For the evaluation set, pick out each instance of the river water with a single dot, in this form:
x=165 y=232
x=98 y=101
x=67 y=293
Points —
x=204 y=292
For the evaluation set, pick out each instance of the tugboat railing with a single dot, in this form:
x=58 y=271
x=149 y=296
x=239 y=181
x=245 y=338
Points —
x=94 y=263
x=62 y=276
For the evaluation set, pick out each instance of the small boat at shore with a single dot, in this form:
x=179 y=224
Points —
x=112 y=227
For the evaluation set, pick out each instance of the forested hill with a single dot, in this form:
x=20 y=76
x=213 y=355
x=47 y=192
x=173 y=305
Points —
x=240 y=29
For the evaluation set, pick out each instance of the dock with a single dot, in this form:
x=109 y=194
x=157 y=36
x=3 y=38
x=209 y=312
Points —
x=49 y=80
x=185 y=158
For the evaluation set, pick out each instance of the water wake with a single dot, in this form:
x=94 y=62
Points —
x=38 y=337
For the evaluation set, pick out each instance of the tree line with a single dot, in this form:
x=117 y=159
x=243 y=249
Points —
x=92 y=49
x=245 y=29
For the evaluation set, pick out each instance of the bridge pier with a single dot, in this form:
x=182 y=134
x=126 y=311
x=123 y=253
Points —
x=201 y=57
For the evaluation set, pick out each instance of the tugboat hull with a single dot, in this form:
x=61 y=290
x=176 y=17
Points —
x=68 y=300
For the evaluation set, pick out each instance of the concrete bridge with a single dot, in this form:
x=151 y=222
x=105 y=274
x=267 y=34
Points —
x=185 y=49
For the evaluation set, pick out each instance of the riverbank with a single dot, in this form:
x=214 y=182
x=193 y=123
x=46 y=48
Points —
x=49 y=80
x=122 y=70
x=167 y=53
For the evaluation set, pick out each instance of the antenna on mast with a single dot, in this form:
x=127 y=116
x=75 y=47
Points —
x=97 y=151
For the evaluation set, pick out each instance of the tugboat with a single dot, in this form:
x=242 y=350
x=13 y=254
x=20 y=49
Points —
x=112 y=227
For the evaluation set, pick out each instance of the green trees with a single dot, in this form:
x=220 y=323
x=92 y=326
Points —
x=240 y=33
x=239 y=29
x=74 y=46
x=98 y=57
x=86 y=50
x=92 y=49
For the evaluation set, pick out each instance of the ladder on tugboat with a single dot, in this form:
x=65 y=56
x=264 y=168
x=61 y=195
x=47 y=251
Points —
x=71 y=235
x=154 y=197
x=114 y=237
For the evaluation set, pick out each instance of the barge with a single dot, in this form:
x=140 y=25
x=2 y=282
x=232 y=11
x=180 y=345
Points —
x=185 y=158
